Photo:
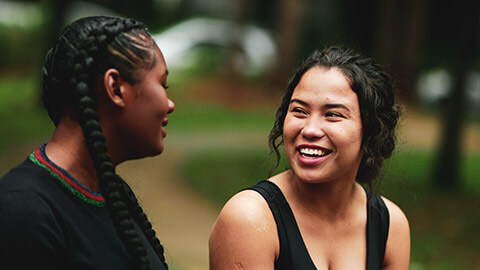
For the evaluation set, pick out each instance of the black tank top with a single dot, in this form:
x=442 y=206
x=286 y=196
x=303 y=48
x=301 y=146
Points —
x=293 y=252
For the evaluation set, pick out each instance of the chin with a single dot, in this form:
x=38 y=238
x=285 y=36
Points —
x=157 y=150
x=154 y=149
x=148 y=152
x=310 y=177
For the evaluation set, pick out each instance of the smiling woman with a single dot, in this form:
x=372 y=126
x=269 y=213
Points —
x=336 y=121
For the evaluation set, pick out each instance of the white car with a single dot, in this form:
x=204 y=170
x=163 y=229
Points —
x=182 y=43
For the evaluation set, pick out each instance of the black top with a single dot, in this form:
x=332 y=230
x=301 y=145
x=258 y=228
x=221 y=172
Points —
x=294 y=253
x=48 y=220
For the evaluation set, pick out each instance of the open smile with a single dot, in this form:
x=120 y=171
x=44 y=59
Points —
x=311 y=154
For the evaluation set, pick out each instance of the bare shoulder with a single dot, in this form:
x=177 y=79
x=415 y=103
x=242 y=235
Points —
x=397 y=253
x=397 y=217
x=244 y=235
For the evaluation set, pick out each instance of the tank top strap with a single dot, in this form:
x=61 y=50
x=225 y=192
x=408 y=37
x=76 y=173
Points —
x=293 y=252
x=378 y=222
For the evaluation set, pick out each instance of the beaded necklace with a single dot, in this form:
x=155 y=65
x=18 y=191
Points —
x=40 y=158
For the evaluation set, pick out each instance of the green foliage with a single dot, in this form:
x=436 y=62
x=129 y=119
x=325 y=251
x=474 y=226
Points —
x=216 y=118
x=21 y=115
x=22 y=48
x=219 y=174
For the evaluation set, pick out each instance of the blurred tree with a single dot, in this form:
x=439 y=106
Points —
x=142 y=10
x=462 y=32
x=288 y=29
x=240 y=14
x=398 y=42
x=55 y=14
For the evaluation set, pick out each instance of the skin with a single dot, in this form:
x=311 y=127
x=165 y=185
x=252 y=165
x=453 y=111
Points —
x=329 y=206
x=132 y=116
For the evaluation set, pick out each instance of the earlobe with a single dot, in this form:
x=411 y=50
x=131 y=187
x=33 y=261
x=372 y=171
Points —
x=113 y=84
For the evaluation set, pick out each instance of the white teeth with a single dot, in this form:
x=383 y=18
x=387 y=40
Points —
x=312 y=152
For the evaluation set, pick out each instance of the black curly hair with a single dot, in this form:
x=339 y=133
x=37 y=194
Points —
x=373 y=87
x=80 y=56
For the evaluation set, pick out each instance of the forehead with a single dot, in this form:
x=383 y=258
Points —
x=325 y=83
x=159 y=66
x=159 y=57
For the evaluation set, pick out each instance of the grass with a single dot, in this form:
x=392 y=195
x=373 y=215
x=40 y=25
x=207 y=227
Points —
x=216 y=118
x=444 y=225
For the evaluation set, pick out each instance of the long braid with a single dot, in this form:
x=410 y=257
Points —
x=120 y=201
x=88 y=119
x=141 y=218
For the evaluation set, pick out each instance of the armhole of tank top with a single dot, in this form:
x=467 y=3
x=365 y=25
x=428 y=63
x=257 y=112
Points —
x=293 y=251
x=266 y=189
x=378 y=222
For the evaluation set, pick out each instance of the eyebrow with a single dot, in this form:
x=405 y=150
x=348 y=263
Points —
x=299 y=101
x=328 y=106
x=336 y=105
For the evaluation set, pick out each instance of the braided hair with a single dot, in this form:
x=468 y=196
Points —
x=80 y=56
x=375 y=93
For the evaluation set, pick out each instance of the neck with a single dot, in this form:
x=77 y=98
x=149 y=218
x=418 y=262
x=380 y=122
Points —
x=330 y=201
x=67 y=149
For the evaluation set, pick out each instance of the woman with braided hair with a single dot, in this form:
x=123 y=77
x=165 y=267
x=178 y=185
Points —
x=336 y=122
x=64 y=207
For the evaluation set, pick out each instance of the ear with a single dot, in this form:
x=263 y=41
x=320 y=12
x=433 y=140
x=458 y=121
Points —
x=114 y=87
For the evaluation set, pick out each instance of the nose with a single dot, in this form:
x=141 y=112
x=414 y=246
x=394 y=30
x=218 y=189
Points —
x=313 y=129
x=171 y=106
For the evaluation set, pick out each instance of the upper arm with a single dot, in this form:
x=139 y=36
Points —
x=397 y=253
x=244 y=235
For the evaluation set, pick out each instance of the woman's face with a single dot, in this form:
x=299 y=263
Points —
x=146 y=112
x=322 y=131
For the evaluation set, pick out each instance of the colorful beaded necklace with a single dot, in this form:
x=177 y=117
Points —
x=66 y=179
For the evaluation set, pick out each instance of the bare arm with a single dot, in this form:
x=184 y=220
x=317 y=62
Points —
x=244 y=235
x=397 y=253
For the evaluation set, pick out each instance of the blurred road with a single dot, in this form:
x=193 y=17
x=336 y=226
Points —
x=181 y=217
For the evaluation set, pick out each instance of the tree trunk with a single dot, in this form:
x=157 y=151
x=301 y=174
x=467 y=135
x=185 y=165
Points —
x=447 y=167
x=288 y=32
x=56 y=20
x=240 y=14
x=401 y=28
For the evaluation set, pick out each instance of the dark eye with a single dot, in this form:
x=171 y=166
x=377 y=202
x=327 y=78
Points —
x=165 y=86
x=333 y=114
x=298 y=110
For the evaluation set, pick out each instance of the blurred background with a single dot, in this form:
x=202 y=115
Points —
x=229 y=62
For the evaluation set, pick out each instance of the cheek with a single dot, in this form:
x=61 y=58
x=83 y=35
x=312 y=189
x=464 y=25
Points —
x=352 y=138
x=290 y=127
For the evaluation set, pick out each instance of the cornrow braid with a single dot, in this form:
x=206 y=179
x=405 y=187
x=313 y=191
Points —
x=120 y=200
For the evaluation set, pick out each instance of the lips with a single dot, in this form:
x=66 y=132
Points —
x=310 y=154
x=164 y=123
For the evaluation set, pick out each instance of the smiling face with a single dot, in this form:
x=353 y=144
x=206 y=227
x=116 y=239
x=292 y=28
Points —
x=145 y=113
x=322 y=130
